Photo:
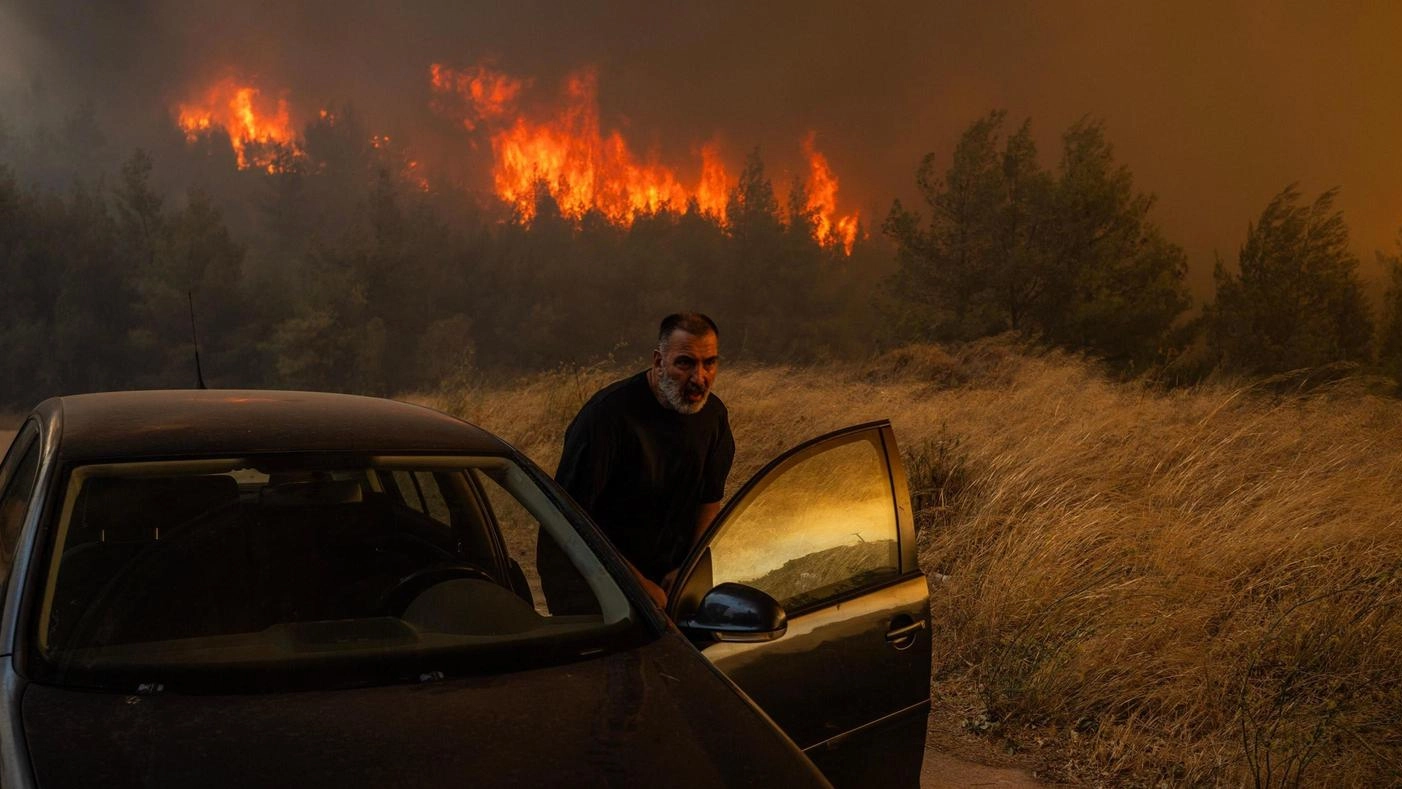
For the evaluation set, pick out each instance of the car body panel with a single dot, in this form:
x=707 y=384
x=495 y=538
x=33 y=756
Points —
x=191 y=423
x=634 y=717
x=14 y=757
x=795 y=674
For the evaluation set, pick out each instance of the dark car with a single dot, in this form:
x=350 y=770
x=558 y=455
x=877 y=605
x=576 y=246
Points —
x=283 y=588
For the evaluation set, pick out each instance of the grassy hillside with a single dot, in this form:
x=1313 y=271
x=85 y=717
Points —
x=1195 y=586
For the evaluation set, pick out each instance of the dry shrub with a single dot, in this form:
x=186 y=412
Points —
x=989 y=362
x=1194 y=586
x=1206 y=581
x=532 y=413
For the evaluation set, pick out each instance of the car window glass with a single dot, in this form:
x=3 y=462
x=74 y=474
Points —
x=822 y=527
x=17 y=479
x=437 y=508
x=228 y=562
x=519 y=531
x=408 y=491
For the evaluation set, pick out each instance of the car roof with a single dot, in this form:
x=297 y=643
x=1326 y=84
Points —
x=179 y=423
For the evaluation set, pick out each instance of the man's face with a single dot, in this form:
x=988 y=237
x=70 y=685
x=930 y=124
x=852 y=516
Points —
x=685 y=368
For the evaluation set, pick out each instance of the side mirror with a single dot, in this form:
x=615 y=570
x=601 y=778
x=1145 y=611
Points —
x=735 y=612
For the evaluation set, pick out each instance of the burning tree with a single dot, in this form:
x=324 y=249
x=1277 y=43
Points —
x=585 y=167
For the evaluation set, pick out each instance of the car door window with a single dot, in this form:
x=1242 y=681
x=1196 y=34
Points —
x=821 y=527
x=17 y=478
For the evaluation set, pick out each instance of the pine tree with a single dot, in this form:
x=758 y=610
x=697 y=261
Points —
x=1295 y=300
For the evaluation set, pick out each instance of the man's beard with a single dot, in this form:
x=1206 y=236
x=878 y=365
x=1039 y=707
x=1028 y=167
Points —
x=672 y=393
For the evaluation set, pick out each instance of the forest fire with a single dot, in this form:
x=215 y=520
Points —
x=587 y=169
x=490 y=94
x=563 y=146
x=259 y=129
x=584 y=168
x=822 y=201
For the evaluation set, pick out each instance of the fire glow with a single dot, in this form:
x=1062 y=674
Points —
x=563 y=147
x=587 y=169
x=258 y=128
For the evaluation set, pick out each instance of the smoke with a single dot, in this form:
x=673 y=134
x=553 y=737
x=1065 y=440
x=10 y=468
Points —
x=1213 y=106
x=20 y=61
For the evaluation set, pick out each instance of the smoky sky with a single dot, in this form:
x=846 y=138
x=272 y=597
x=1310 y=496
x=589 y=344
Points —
x=1214 y=106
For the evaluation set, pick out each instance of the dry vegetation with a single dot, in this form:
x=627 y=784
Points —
x=1183 y=587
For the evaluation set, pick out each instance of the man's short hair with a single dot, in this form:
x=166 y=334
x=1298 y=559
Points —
x=693 y=323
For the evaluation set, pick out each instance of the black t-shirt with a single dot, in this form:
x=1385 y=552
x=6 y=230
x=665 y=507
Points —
x=642 y=470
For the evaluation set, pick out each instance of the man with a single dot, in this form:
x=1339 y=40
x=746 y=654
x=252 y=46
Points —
x=647 y=458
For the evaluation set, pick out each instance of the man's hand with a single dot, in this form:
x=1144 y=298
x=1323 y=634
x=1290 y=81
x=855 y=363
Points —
x=654 y=591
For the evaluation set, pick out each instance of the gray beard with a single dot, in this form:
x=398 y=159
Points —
x=672 y=393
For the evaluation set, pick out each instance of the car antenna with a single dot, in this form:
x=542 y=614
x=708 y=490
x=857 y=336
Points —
x=199 y=373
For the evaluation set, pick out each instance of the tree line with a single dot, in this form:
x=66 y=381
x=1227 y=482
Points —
x=1071 y=256
x=336 y=270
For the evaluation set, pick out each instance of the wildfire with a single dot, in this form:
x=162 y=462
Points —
x=489 y=94
x=822 y=200
x=714 y=189
x=585 y=168
x=259 y=129
x=390 y=152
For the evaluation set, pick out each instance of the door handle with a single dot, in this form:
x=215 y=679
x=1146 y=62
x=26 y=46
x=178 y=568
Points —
x=903 y=630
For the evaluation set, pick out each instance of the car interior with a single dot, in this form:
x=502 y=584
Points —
x=328 y=557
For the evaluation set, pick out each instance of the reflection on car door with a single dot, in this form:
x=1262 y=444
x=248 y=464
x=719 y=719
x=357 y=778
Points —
x=827 y=531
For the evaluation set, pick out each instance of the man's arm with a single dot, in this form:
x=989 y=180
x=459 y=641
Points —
x=713 y=487
x=704 y=516
x=657 y=593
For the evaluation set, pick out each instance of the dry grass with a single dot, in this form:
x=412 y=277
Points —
x=1200 y=586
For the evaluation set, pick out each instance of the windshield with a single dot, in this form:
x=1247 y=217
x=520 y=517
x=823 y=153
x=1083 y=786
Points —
x=202 y=569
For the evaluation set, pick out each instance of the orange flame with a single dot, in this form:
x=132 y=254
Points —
x=713 y=192
x=488 y=94
x=822 y=201
x=258 y=129
x=582 y=168
x=586 y=169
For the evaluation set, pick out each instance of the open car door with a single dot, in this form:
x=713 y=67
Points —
x=842 y=662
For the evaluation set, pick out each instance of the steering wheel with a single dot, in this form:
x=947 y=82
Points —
x=398 y=597
x=410 y=545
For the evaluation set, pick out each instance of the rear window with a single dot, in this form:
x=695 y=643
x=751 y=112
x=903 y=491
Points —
x=198 y=572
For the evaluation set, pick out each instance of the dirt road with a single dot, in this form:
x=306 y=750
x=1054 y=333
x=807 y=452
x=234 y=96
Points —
x=954 y=758
x=942 y=771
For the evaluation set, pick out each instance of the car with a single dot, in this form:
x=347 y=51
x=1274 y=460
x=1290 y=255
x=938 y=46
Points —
x=256 y=588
